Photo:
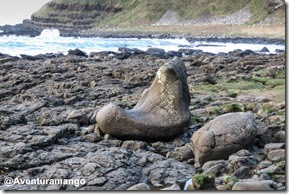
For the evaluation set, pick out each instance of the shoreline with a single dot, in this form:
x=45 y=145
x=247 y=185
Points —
x=28 y=29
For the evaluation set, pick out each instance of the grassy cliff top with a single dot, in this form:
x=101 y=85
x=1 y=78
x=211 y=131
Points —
x=140 y=14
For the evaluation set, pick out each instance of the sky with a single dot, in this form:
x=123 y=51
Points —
x=15 y=11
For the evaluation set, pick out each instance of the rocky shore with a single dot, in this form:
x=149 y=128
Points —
x=29 y=29
x=48 y=129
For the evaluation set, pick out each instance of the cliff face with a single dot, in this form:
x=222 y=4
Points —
x=85 y=14
x=73 y=14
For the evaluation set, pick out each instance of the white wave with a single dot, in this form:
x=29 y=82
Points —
x=50 y=42
x=49 y=33
x=1 y=31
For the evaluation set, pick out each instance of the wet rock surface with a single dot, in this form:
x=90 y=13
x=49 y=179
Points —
x=48 y=129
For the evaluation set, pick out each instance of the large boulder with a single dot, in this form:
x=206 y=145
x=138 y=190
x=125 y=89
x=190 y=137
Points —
x=224 y=135
x=162 y=112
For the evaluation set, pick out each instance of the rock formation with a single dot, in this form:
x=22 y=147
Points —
x=223 y=136
x=162 y=112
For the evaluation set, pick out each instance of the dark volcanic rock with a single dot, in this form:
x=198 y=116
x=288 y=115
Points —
x=77 y=52
x=161 y=113
x=264 y=50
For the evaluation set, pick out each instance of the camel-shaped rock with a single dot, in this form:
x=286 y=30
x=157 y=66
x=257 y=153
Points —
x=162 y=112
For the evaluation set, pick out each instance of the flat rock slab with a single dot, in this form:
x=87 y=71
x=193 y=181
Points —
x=109 y=169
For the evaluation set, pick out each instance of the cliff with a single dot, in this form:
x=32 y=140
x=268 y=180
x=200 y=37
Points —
x=146 y=14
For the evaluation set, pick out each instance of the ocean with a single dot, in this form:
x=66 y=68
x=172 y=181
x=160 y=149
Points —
x=50 y=41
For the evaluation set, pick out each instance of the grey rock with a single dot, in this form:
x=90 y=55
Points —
x=97 y=182
x=156 y=52
x=161 y=114
x=181 y=153
x=280 y=137
x=251 y=186
x=174 y=187
x=223 y=136
x=264 y=49
x=161 y=173
x=273 y=146
x=280 y=178
x=276 y=155
x=273 y=169
x=215 y=170
x=212 y=163
x=243 y=172
x=93 y=138
x=140 y=187
x=236 y=162
x=134 y=145
x=264 y=176
x=142 y=161
x=264 y=164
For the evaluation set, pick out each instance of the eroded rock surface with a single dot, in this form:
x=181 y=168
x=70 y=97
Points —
x=223 y=136
x=162 y=112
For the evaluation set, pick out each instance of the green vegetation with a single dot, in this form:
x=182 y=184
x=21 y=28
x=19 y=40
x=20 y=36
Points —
x=229 y=181
x=213 y=110
x=232 y=107
x=229 y=87
x=200 y=180
x=142 y=13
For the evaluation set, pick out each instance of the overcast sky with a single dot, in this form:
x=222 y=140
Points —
x=14 y=11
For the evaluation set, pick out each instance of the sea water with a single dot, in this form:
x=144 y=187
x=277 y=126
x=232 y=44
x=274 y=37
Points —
x=50 y=41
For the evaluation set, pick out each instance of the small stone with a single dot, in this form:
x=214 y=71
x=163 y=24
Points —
x=93 y=138
x=264 y=50
x=174 y=187
x=273 y=146
x=280 y=137
x=212 y=163
x=276 y=155
x=134 y=145
x=89 y=168
x=97 y=182
x=181 y=153
x=140 y=187
x=142 y=162
x=107 y=137
x=280 y=178
x=264 y=176
x=75 y=114
x=273 y=169
x=242 y=173
x=264 y=164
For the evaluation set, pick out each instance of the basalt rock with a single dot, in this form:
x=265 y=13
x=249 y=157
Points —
x=161 y=114
x=223 y=136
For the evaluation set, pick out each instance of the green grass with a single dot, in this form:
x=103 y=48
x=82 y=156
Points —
x=232 y=107
x=138 y=13
x=228 y=87
x=258 y=8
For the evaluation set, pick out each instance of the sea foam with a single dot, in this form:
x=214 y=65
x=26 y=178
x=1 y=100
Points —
x=50 y=41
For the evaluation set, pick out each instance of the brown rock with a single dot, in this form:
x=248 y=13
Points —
x=223 y=136
x=162 y=112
